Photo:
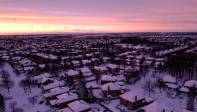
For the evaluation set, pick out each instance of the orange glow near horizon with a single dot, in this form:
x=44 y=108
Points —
x=34 y=23
x=62 y=16
x=11 y=24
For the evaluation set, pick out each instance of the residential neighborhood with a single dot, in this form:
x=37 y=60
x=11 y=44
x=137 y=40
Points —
x=120 y=72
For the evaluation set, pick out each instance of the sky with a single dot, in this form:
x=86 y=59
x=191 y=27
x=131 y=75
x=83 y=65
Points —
x=61 y=16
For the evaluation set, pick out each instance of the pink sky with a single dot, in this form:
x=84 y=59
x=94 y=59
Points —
x=54 y=16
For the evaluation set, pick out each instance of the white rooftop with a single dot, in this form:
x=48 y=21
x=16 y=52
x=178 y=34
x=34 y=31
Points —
x=169 y=78
x=79 y=106
x=132 y=96
x=110 y=86
x=72 y=73
x=191 y=83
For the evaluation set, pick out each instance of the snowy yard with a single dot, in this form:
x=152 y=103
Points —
x=164 y=98
x=18 y=95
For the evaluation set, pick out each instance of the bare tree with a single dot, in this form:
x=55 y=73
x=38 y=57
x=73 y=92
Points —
x=149 y=86
x=26 y=83
x=2 y=104
x=23 y=84
x=13 y=106
x=7 y=84
x=4 y=74
x=29 y=82
x=190 y=103
x=33 y=100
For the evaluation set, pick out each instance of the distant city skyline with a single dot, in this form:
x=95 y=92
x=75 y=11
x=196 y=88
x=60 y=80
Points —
x=62 y=16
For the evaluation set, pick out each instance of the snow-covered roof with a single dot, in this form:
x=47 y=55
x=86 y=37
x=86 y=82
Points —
x=132 y=69
x=56 y=91
x=106 y=58
x=64 y=98
x=47 y=56
x=28 y=68
x=65 y=110
x=86 y=61
x=191 y=83
x=79 y=106
x=44 y=79
x=89 y=77
x=91 y=54
x=184 y=89
x=171 y=85
x=85 y=70
x=169 y=79
x=92 y=84
x=42 y=65
x=53 y=85
x=112 y=66
x=101 y=68
x=132 y=96
x=75 y=62
x=110 y=86
x=108 y=78
x=72 y=73
x=41 y=76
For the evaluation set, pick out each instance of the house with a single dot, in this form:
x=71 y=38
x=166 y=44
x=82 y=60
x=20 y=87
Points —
x=46 y=81
x=105 y=59
x=42 y=78
x=92 y=85
x=63 y=100
x=65 y=110
x=86 y=62
x=111 y=89
x=79 y=106
x=71 y=75
x=113 y=68
x=169 y=79
x=90 y=55
x=159 y=62
x=51 y=94
x=53 y=85
x=184 y=90
x=131 y=74
x=191 y=85
x=87 y=74
x=100 y=70
x=148 y=61
x=95 y=61
x=42 y=66
x=133 y=100
x=107 y=78
x=76 y=63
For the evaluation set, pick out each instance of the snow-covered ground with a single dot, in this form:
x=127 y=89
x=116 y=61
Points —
x=164 y=98
x=18 y=95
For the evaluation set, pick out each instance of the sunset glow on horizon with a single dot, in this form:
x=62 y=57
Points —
x=30 y=16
